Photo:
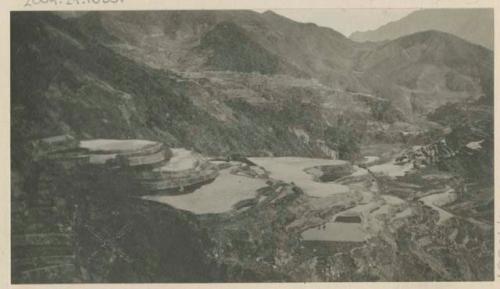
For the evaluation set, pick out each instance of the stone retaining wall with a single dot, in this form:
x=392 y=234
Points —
x=158 y=174
x=143 y=160
x=146 y=150
x=142 y=164
x=189 y=179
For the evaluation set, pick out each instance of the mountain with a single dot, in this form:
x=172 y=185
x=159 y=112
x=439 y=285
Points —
x=474 y=25
x=179 y=40
x=224 y=82
x=247 y=41
x=234 y=85
x=423 y=71
x=76 y=84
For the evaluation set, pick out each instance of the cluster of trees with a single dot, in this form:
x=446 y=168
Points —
x=345 y=136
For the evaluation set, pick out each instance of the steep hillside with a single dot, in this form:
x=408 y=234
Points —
x=425 y=70
x=231 y=49
x=474 y=25
x=255 y=93
x=170 y=39
x=246 y=41
x=228 y=81
x=72 y=83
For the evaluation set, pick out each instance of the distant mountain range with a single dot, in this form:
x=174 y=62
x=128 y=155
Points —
x=474 y=25
x=228 y=81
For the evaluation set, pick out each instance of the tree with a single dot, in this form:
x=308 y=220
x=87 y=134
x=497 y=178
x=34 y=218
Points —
x=344 y=137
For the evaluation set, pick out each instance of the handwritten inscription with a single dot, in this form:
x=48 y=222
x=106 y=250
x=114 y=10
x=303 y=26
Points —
x=30 y=3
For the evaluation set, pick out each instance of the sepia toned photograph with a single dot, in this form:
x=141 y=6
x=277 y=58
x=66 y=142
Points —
x=244 y=146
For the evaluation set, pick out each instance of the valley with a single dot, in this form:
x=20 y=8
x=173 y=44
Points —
x=316 y=223
x=238 y=146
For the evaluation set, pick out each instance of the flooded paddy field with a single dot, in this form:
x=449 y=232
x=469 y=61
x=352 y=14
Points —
x=218 y=196
x=293 y=170
x=336 y=231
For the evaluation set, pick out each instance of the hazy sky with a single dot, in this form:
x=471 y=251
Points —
x=346 y=21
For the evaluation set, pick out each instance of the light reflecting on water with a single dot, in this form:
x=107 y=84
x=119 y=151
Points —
x=336 y=231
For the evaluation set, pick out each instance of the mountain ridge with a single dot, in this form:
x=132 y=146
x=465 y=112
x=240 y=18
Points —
x=119 y=80
x=473 y=25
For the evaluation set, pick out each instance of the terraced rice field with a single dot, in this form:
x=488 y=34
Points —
x=218 y=196
x=336 y=232
x=181 y=160
x=115 y=145
x=293 y=170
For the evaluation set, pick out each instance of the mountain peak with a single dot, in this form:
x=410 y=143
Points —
x=473 y=25
x=270 y=12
